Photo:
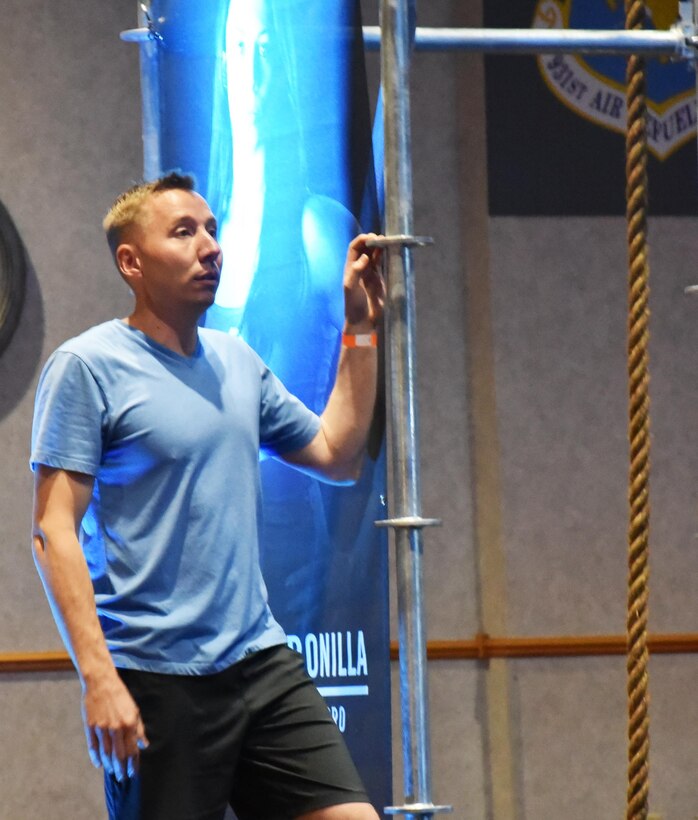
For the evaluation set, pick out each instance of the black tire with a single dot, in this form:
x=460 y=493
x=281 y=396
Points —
x=13 y=275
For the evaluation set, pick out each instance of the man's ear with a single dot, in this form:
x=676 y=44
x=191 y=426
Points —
x=129 y=263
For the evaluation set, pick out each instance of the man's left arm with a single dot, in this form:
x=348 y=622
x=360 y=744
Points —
x=336 y=452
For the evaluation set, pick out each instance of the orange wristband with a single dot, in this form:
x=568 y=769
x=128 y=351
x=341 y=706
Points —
x=360 y=339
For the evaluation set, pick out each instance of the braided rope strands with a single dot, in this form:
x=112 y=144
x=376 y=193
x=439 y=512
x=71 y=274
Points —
x=638 y=495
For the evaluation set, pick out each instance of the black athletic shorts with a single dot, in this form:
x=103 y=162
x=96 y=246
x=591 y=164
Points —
x=257 y=736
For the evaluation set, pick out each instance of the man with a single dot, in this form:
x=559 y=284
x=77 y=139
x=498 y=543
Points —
x=145 y=450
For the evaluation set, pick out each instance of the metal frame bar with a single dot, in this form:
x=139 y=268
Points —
x=404 y=489
x=679 y=41
x=149 y=41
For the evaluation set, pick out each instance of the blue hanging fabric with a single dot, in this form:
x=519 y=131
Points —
x=265 y=101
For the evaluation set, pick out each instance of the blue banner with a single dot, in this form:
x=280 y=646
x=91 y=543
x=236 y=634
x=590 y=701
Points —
x=265 y=101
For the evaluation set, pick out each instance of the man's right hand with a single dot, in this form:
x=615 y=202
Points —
x=113 y=727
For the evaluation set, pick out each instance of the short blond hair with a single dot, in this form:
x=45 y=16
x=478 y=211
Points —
x=127 y=206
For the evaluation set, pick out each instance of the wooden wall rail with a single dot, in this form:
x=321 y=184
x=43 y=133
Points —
x=481 y=648
x=35 y=662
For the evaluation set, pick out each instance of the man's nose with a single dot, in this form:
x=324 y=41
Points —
x=209 y=246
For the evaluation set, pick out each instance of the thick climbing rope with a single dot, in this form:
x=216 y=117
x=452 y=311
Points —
x=638 y=431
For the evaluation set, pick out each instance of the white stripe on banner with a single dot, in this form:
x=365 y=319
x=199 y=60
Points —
x=342 y=691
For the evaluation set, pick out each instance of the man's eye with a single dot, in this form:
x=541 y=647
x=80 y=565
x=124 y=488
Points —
x=183 y=232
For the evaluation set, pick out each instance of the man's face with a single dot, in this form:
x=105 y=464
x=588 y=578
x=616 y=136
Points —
x=179 y=258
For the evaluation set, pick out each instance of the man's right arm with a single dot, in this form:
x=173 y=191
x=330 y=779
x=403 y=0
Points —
x=113 y=726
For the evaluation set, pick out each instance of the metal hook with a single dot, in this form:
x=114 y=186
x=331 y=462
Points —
x=153 y=33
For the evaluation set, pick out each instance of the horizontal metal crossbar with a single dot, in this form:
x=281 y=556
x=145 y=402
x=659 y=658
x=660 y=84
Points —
x=137 y=35
x=418 y=809
x=680 y=41
x=407 y=522
x=400 y=240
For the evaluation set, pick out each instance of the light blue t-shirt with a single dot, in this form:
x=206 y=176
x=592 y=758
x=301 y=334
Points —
x=171 y=533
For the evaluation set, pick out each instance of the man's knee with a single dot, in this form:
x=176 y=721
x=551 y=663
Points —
x=345 y=811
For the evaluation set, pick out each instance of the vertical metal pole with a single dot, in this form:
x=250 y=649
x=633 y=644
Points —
x=149 y=41
x=405 y=490
x=150 y=65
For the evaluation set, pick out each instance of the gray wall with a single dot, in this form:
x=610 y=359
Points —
x=69 y=141
x=522 y=386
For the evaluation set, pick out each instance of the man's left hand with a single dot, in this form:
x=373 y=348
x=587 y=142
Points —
x=364 y=288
